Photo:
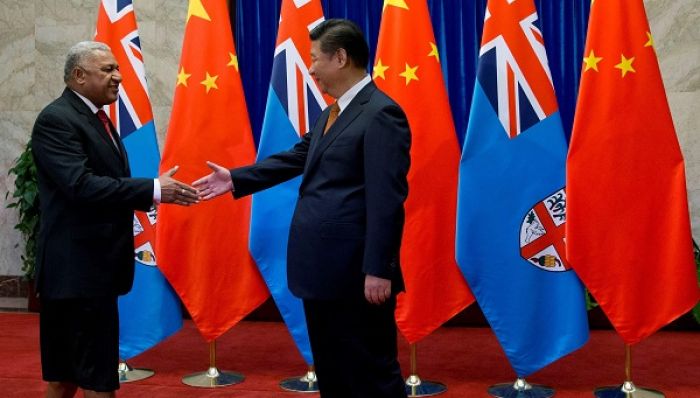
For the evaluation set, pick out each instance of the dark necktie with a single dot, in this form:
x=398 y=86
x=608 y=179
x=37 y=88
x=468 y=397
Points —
x=102 y=115
x=335 y=109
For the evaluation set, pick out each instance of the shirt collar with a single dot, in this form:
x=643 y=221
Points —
x=87 y=102
x=346 y=98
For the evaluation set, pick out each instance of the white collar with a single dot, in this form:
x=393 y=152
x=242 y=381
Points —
x=349 y=95
x=87 y=102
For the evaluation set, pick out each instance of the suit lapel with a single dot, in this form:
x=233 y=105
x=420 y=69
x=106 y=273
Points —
x=354 y=109
x=98 y=127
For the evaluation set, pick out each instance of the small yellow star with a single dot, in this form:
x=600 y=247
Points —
x=395 y=3
x=379 y=69
x=182 y=77
x=210 y=82
x=409 y=73
x=625 y=65
x=650 y=42
x=234 y=61
x=197 y=9
x=591 y=61
x=434 y=52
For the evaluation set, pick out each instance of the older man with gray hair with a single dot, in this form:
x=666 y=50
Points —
x=85 y=257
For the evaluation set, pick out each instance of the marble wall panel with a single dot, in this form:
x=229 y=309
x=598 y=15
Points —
x=17 y=111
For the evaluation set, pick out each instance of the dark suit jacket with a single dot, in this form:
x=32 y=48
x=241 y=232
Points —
x=349 y=215
x=87 y=199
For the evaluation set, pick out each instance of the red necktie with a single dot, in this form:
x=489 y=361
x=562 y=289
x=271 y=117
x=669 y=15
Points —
x=102 y=115
x=335 y=110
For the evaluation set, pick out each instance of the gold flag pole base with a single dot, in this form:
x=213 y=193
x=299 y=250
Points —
x=415 y=387
x=213 y=377
x=127 y=374
x=627 y=390
x=520 y=389
x=306 y=383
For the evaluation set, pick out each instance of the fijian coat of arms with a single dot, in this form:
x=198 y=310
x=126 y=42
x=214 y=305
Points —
x=144 y=237
x=542 y=239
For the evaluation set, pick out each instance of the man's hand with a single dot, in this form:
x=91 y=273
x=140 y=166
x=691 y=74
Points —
x=215 y=184
x=174 y=191
x=377 y=290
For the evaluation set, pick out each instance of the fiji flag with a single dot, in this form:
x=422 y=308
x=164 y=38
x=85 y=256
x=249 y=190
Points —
x=293 y=103
x=151 y=311
x=512 y=203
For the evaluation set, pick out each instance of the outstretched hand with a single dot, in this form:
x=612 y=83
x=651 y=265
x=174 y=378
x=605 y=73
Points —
x=217 y=183
x=174 y=191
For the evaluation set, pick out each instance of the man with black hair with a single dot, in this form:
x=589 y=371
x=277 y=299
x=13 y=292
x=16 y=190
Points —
x=345 y=236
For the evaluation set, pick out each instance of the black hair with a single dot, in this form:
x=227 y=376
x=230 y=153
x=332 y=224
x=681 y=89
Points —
x=335 y=34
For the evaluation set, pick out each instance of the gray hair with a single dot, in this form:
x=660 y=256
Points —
x=78 y=53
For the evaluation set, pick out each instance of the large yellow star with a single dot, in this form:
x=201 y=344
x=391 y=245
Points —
x=379 y=69
x=210 y=82
x=395 y=3
x=182 y=77
x=233 y=62
x=591 y=61
x=197 y=9
x=625 y=65
x=409 y=73
x=650 y=42
x=434 y=52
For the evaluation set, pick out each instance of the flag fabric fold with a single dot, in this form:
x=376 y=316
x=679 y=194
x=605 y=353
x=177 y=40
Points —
x=628 y=231
x=293 y=103
x=203 y=249
x=150 y=312
x=511 y=208
x=407 y=68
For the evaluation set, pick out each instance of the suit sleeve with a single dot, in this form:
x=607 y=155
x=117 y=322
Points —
x=272 y=170
x=386 y=163
x=59 y=154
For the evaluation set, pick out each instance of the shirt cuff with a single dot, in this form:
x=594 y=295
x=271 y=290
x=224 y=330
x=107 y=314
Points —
x=156 y=191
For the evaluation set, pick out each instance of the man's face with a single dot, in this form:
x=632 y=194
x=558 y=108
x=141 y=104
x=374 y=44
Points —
x=324 y=68
x=98 y=78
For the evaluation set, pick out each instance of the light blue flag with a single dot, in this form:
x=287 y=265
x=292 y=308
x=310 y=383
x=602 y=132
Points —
x=150 y=312
x=511 y=208
x=293 y=102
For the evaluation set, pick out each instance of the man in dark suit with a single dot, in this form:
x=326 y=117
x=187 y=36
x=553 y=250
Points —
x=343 y=251
x=85 y=253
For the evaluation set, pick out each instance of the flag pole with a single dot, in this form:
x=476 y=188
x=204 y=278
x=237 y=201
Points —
x=306 y=383
x=213 y=377
x=127 y=374
x=520 y=388
x=415 y=387
x=628 y=389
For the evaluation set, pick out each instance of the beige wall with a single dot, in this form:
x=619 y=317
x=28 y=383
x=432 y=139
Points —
x=35 y=34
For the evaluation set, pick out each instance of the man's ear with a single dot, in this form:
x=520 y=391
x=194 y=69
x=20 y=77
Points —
x=342 y=57
x=78 y=75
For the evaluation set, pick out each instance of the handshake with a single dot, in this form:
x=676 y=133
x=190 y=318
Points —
x=205 y=188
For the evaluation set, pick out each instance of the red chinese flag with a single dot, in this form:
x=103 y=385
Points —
x=407 y=68
x=628 y=228
x=203 y=249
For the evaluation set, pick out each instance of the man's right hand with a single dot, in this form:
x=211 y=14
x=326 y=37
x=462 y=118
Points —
x=217 y=183
x=174 y=191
